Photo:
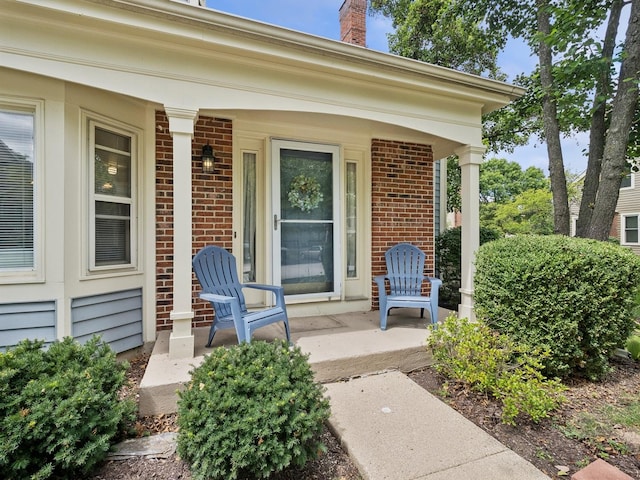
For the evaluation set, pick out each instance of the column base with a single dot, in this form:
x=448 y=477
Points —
x=181 y=346
x=465 y=309
x=181 y=340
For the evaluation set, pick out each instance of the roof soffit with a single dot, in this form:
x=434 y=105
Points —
x=217 y=36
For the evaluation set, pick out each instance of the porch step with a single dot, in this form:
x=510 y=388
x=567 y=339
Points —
x=339 y=353
x=339 y=356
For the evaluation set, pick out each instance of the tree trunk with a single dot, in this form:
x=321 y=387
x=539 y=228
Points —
x=622 y=113
x=597 y=132
x=551 y=126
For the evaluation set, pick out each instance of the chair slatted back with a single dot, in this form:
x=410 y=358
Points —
x=216 y=271
x=405 y=269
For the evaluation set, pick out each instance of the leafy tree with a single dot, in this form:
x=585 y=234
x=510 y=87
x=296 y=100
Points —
x=443 y=32
x=501 y=180
x=454 y=179
x=504 y=183
x=528 y=213
x=573 y=88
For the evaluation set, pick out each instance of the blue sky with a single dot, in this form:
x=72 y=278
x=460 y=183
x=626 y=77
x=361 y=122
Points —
x=320 y=17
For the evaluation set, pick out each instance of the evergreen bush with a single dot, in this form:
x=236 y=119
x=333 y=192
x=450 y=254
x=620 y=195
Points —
x=59 y=408
x=573 y=297
x=250 y=410
x=448 y=258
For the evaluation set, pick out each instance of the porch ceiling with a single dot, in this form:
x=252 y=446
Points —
x=324 y=127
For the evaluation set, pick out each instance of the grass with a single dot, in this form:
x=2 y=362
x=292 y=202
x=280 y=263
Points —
x=597 y=429
x=626 y=415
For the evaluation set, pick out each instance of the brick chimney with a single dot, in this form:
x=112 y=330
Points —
x=353 y=22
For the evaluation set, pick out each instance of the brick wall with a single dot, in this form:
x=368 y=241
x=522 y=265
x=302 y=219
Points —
x=614 y=232
x=353 y=22
x=402 y=201
x=402 y=204
x=212 y=207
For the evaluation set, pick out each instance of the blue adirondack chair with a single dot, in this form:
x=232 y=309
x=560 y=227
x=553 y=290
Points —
x=216 y=271
x=405 y=276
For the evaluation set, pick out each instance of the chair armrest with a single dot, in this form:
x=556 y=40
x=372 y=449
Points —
x=380 y=281
x=277 y=290
x=436 y=283
x=212 y=297
x=260 y=286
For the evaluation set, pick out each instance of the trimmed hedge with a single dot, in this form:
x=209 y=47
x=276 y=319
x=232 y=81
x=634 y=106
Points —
x=250 y=410
x=573 y=297
x=59 y=408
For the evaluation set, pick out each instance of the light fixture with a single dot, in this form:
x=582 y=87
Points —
x=207 y=158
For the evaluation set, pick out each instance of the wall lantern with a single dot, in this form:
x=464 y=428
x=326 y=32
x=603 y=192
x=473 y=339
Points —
x=207 y=158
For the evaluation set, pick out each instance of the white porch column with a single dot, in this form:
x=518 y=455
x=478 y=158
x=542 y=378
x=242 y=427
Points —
x=470 y=158
x=181 y=126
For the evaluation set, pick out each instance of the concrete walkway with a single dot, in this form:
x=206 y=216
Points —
x=391 y=427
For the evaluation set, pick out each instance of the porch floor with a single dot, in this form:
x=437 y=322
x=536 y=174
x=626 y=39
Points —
x=339 y=347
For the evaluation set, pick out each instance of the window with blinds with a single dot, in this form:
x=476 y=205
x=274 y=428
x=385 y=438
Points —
x=17 y=186
x=112 y=167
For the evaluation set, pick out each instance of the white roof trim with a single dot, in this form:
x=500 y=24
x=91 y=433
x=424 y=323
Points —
x=296 y=46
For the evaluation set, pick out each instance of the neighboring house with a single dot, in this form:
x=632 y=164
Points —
x=627 y=211
x=106 y=109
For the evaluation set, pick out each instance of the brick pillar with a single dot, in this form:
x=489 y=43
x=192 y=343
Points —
x=402 y=201
x=353 y=22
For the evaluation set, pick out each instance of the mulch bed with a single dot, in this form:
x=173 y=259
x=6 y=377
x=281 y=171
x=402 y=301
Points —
x=333 y=465
x=542 y=444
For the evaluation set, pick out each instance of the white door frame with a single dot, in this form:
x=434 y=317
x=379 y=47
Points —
x=334 y=150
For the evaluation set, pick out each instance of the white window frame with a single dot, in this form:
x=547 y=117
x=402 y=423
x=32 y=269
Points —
x=35 y=274
x=632 y=185
x=623 y=231
x=90 y=122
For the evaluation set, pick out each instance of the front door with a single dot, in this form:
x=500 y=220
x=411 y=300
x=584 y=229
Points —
x=305 y=221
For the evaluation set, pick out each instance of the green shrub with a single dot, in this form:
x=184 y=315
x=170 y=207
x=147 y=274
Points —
x=633 y=346
x=573 y=297
x=250 y=410
x=59 y=408
x=448 y=251
x=490 y=362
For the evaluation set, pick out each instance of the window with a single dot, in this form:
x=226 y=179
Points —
x=112 y=162
x=250 y=217
x=18 y=231
x=352 y=220
x=630 y=227
x=627 y=181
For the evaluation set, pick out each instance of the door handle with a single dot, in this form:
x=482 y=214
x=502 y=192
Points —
x=275 y=222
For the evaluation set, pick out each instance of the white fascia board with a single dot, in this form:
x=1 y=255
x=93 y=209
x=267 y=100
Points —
x=198 y=26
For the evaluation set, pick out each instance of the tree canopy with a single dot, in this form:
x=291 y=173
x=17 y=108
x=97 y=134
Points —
x=511 y=200
x=573 y=89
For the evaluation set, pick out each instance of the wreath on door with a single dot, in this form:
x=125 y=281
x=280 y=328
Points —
x=304 y=193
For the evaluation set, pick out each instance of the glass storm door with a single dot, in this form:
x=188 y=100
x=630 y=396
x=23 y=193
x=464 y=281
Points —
x=305 y=197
